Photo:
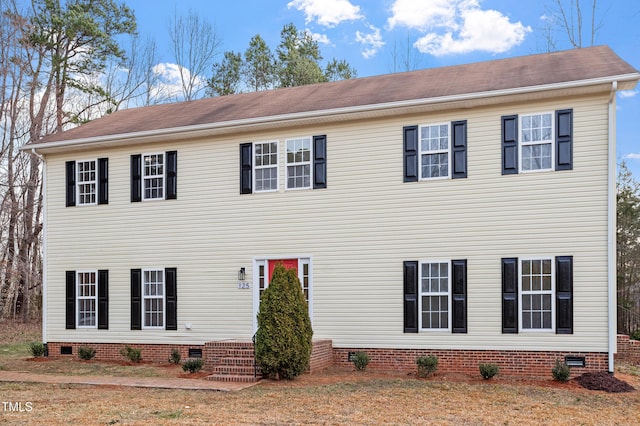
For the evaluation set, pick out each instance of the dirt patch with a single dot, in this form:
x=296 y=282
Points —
x=603 y=381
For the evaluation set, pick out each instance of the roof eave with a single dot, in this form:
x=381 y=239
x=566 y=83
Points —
x=465 y=100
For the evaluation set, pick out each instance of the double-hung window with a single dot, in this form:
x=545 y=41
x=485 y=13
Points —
x=299 y=163
x=536 y=142
x=536 y=294
x=86 y=182
x=434 y=151
x=434 y=295
x=153 y=176
x=153 y=293
x=87 y=292
x=266 y=166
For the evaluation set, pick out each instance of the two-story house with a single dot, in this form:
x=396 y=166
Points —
x=464 y=211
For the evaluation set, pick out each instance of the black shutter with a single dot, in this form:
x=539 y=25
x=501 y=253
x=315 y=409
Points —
x=564 y=295
x=71 y=183
x=410 y=139
x=510 y=295
x=246 y=178
x=564 y=139
x=320 y=162
x=170 y=280
x=103 y=181
x=459 y=149
x=172 y=175
x=103 y=300
x=70 y=300
x=136 y=178
x=136 y=299
x=459 y=295
x=411 y=296
x=509 y=145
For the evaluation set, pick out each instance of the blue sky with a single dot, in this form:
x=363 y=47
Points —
x=435 y=32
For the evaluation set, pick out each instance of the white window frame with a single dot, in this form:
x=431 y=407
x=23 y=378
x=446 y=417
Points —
x=435 y=151
x=146 y=297
x=551 y=292
x=146 y=177
x=522 y=143
x=298 y=163
x=80 y=298
x=93 y=182
x=258 y=287
x=262 y=167
x=441 y=293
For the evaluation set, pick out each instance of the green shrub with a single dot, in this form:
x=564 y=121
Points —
x=37 y=349
x=175 y=357
x=560 y=371
x=193 y=365
x=427 y=365
x=360 y=360
x=86 y=353
x=635 y=335
x=283 y=339
x=487 y=371
x=133 y=354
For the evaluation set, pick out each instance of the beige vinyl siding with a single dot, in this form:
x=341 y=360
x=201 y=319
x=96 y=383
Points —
x=357 y=232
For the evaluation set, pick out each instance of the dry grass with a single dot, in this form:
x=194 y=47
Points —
x=330 y=398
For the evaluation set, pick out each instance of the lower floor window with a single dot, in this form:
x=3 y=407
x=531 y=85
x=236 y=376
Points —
x=87 y=299
x=536 y=292
x=153 y=298
x=434 y=295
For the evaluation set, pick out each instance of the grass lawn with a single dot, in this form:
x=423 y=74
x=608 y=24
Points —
x=331 y=397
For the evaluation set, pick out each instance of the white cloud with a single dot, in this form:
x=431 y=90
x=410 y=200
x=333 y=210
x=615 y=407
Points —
x=632 y=156
x=320 y=38
x=628 y=93
x=327 y=12
x=371 y=42
x=169 y=82
x=457 y=26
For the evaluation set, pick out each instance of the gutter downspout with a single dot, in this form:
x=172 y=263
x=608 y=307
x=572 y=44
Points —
x=611 y=231
x=44 y=244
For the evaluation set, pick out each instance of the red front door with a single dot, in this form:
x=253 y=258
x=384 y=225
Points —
x=287 y=263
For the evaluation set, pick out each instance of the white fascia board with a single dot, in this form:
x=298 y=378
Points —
x=309 y=115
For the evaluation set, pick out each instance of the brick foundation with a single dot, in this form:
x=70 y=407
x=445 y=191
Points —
x=321 y=355
x=518 y=363
x=628 y=349
x=111 y=351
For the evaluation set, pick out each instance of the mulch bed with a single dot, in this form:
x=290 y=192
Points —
x=603 y=381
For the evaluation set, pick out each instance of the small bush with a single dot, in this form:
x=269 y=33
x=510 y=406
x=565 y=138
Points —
x=134 y=355
x=37 y=349
x=560 y=371
x=635 y=335
x=427 y=365
x=487 y=371
x=86 y=353
x=193 y=365
x=360 y=360
x=175 y=357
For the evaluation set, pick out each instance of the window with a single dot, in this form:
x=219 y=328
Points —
x=536 y=293
x=536 y=142
x=153 y=176
x=87 y=299
x=434 y=295
x=266 y=166
x=299 y=163
x=434 y=151
x=86 y=182
x=153 y=298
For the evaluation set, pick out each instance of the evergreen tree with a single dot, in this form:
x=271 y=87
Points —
x=226 y=75
x=283 y=340
x=259 y=65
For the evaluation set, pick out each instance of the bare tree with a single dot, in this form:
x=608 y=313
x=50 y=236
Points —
x=404 y=56
x=194 y=44
x=574 y=22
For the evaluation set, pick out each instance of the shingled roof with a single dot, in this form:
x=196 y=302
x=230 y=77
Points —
x=596 y=64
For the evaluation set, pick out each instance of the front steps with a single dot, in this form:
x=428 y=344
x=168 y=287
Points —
x=231 y=361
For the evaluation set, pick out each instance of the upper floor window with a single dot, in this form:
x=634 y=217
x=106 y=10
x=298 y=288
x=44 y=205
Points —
x=153 y=176
x=86 y=182
x=299 y=163
x=536 y=147
x=266 y=166
x=434 y=151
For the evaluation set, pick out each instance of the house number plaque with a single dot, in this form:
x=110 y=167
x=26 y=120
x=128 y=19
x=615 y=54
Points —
x=244 y=285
